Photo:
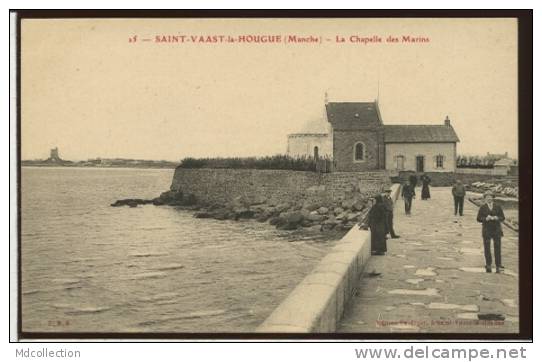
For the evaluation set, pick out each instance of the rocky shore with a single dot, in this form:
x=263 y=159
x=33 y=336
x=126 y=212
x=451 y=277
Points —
x=508 y=189
x=323 y=217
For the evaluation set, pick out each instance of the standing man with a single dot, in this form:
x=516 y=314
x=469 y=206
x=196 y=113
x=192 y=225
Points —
x=491 y=216
x=388 y=203
x=458 y=190
x=408 y=193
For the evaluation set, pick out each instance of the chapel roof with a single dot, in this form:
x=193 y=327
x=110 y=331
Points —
x=353 y=115
x=419 y=134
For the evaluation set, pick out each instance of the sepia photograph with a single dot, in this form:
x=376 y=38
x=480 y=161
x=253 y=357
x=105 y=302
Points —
x=269 y=177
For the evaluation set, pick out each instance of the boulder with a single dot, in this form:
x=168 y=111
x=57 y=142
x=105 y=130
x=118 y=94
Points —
x=243 y=213
x=348 y=203
x=315 y=228
x=343 y=216
x=311 y=206
x=323 y=210
x=263 y=217
x=277 y=220
x=359 y=205
x=353 y=216
x=131 y=202
x=258 y=200
x=157 y=201
x=331 y=221
x=294 y=217
x=338 y=210
x=315 y=217
x=327 y=227
x=283 y=207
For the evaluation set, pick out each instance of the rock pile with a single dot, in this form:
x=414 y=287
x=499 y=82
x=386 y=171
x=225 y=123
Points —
x=291 y=215
x=497 y=188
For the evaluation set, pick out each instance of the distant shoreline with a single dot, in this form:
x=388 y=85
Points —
x=83 y=164
x=98 y=167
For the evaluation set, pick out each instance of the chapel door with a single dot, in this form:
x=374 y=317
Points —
x=419 y=163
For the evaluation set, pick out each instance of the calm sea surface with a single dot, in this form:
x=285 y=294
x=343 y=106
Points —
x=89 y=267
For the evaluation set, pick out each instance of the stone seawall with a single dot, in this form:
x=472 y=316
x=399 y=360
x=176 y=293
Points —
x=225 y=185
x=317 y=304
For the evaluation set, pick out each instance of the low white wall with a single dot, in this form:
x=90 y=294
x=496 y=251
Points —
x=317 y=304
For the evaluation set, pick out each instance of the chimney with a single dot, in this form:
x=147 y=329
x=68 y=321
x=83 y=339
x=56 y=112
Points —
x=447 y=121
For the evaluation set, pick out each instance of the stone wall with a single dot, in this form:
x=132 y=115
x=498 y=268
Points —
x=225 y=185
x=343 y=149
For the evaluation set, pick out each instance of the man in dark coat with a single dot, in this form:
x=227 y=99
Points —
x=377 y=223
x=458 y=190
x=491 y=216
x=408 y=193
x=388 y=203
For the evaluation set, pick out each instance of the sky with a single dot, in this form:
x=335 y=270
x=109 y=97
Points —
x=89 y=91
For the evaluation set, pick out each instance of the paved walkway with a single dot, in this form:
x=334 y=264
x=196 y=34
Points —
x=433 y=278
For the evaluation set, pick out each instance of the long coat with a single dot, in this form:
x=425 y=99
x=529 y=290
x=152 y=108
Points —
x=408 y=191
x=492 y=228
x=378 y=224
x=425 y=187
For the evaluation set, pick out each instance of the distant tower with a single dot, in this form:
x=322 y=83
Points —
x=326 y=98
x=54 y=155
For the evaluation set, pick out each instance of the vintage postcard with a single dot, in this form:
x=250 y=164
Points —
x=258 y=176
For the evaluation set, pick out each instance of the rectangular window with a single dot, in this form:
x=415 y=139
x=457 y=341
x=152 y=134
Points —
x=440 y=161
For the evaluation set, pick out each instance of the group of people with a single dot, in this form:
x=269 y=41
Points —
x=408 y=191
x=380 y=218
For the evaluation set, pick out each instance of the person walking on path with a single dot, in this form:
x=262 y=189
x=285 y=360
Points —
x=388 y=203
x=378 y=225
x=408 y=193
x=491 y=216
x=458 y=190
x=425 y=187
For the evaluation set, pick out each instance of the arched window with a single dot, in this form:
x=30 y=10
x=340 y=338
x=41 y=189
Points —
x=359 y=152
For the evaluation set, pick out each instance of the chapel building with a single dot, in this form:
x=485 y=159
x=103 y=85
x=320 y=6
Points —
x=356 y=139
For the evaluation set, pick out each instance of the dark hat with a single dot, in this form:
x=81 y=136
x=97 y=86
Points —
x=387 y=189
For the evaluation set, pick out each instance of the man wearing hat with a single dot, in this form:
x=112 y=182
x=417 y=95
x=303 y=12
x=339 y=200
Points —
x=388 y=203
x=491 y=216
